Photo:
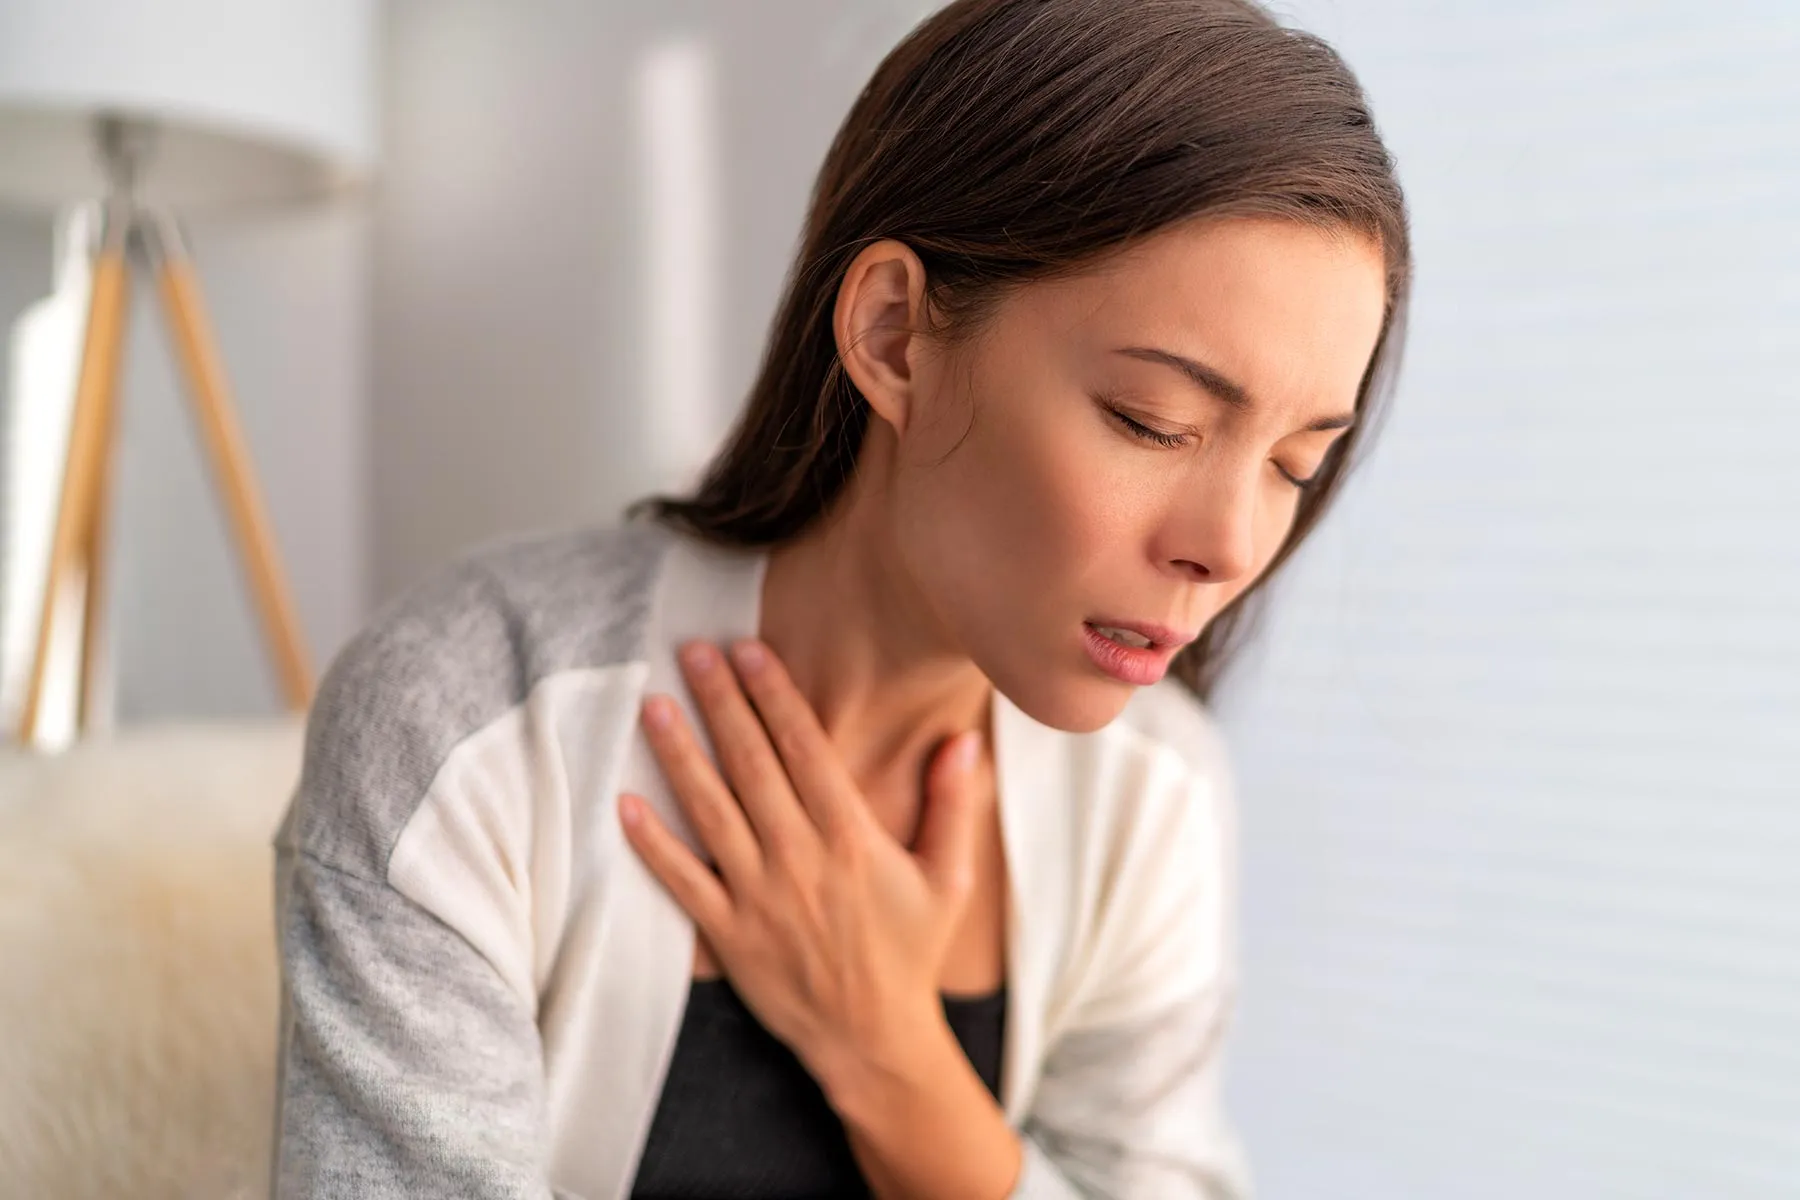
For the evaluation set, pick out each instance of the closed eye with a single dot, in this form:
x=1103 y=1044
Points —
x=1301 y=484
x=1171 y=441
x=1139 y=430
x=1318 y=475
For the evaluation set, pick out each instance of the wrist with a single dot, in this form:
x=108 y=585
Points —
x=920 y=1090
x=879 y=1073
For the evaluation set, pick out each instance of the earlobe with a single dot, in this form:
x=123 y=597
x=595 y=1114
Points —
x=878 y=320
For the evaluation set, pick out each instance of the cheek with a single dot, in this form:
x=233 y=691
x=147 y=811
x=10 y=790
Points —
x=1033 y=491
x=1002 y=521
x=1013 y=540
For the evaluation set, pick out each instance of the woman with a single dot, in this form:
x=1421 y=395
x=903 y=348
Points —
x=833 y=831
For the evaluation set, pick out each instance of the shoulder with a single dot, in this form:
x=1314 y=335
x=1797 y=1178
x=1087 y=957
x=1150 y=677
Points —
x=446 y=659
x=470 y=639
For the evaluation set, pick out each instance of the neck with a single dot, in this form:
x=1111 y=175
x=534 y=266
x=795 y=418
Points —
x=863 y=647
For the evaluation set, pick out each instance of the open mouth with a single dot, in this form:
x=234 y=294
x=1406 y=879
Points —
x=1123 y=637
x=1127 y=655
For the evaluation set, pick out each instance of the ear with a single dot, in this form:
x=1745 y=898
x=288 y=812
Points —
x=879 y=324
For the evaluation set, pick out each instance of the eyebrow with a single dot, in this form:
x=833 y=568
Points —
x=1212 y=381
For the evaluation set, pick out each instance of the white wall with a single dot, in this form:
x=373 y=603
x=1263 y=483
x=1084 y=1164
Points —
x=1521 y=761
x=516 y=333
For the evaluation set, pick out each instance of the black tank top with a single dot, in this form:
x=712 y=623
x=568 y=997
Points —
x=740 y=1119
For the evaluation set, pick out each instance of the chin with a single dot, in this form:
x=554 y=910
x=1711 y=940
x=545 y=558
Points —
x=1074 y=701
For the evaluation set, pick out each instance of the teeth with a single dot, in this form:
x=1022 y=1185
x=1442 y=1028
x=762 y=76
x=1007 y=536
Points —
x=1124 y=637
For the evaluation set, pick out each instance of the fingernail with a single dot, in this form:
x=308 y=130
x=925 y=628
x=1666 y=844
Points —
x=964 y=755
x=630 y=810
x=659 y=712
x=699 y=657
x=749 y=655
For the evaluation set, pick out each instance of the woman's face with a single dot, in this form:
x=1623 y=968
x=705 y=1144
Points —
x=1121 y=448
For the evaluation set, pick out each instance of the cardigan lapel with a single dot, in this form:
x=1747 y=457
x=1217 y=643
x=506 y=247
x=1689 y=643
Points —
x=1037 y=832
x=640 y=965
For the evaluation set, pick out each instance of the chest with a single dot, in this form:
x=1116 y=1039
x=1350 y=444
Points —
x=611 y=1009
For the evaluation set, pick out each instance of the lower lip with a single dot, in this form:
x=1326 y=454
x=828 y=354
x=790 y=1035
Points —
x=1129 y=664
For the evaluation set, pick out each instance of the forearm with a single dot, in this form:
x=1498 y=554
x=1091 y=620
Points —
x=922 y=1124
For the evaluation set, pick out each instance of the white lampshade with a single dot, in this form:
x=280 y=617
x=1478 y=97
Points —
x=253 y=100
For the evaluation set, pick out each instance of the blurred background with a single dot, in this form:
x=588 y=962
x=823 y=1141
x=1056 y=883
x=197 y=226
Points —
x=1519 y=752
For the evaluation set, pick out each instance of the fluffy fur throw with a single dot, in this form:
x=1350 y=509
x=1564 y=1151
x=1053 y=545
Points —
x=138 y=985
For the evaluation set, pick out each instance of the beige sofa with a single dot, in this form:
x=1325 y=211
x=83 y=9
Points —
x=138 y=985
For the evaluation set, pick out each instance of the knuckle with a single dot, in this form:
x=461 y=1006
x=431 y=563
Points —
x=849 y=844
x=850 y=857
x=711 y=821
x=711 y=697
x=763 y=910
x=800 y=858
x=779 y=899
x=778 y=845
x=788 y=742
x=704 y=811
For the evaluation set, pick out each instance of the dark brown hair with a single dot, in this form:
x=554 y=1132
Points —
x=1007 y=141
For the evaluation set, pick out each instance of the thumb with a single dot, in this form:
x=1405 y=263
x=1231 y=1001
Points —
x=945 y=845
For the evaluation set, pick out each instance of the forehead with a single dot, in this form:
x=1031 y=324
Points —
x=1288 y=311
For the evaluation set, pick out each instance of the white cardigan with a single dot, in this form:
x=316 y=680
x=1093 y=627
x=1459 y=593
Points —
x=482 y=984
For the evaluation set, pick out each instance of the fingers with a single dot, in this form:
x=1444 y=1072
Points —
x=710 y=806
x=822 y=784
x=699 y=892
x=948 y=829
x=753 y=769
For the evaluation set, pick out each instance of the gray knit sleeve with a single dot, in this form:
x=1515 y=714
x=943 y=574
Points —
x=409 y=1065
x=408 y=1068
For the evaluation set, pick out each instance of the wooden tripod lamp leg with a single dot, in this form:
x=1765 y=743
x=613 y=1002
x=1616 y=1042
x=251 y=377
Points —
x=97 y=561
x=95 y=396
x=224 y=440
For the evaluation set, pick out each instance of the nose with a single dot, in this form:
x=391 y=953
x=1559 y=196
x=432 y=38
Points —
x=1211 y=537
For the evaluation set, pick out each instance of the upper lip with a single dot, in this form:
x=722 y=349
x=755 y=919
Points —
x=1161 y=636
